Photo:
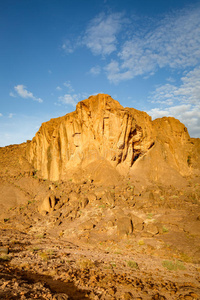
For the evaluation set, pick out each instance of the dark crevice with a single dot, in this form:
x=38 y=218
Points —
x=151 y=145
x=136 y=157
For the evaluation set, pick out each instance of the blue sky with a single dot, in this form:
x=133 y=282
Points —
x=54 y=53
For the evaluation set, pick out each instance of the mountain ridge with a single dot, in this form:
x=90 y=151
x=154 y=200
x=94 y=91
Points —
x=102 y=129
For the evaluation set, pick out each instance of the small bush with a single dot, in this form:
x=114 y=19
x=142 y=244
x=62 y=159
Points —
x=40 y=236
x=44 y=255
x=173 y=266
x=113 y=264
x=165 y=229
x=149 y=216
x=102 y=206
x=6 y=220
x=140 y=242
x=86 y=263
x=132 y=264
x=5 y=257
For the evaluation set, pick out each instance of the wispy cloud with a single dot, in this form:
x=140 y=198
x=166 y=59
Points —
x=22 y=92
x=12 y=94
x=10 y=115
x=68 y=85
x=69 y=99
x=68 y=47
x=1 y=115
x=101 y=34
x=187 y=114
x=173 y=43
x=58 y=88
x=95 y=70
x=182 y=102
x=188 y=92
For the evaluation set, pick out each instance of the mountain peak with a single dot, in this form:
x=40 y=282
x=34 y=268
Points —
x=102 y=135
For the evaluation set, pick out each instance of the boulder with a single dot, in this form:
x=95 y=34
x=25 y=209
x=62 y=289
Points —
x=137 y=223
x=151 y=229
x=124 y=226
x=47 y=204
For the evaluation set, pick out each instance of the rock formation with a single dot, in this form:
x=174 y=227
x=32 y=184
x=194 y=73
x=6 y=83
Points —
x=104 y=139
x=121 y=208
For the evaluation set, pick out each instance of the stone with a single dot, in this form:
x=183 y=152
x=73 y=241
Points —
x=124 y=226
x=108 y=199
x=137 y=223
x=91 y=197
x=151 y=228
x=73 y=197
x=136 y=220
x=87 y=225
x=84 y=202
x=47 y=204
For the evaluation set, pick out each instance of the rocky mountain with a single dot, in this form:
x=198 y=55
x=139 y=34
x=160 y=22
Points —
x=101 y=140
x=103 y=203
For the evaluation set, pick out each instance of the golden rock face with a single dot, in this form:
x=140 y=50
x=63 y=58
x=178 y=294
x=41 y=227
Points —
x=102 y=132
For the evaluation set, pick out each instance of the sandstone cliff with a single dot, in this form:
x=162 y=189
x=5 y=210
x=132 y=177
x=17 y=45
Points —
x=105 y=139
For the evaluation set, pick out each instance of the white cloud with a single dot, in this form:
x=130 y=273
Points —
x=1 y=115
x=181 y=102
x=188 y=92
x=173 y=43
x=12 y=94
x=58 y=88
x=10 y=115
x=95 y=70
x=164 y=94
x=100 y=36
x=69 y=99
x=187 y=114
x=68 y=47
x=113 y=72
x=22 y=92
x=68 y=85
x=171 y=79
x=72 y=99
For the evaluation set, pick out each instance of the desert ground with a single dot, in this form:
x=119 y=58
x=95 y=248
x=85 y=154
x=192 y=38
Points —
x=85 y=240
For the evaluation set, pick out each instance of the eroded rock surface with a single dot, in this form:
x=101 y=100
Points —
x=104 y=139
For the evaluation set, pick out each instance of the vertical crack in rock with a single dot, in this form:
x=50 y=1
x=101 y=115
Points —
x=101 y=129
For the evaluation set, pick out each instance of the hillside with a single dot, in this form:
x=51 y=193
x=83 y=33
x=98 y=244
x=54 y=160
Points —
x=103 y=203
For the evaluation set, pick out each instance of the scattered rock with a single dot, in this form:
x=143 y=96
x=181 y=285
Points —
x=47 y=204
x=124 y=226
x=151 y=228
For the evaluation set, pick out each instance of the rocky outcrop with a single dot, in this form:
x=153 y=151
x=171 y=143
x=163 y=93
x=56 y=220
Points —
x=100 y=132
